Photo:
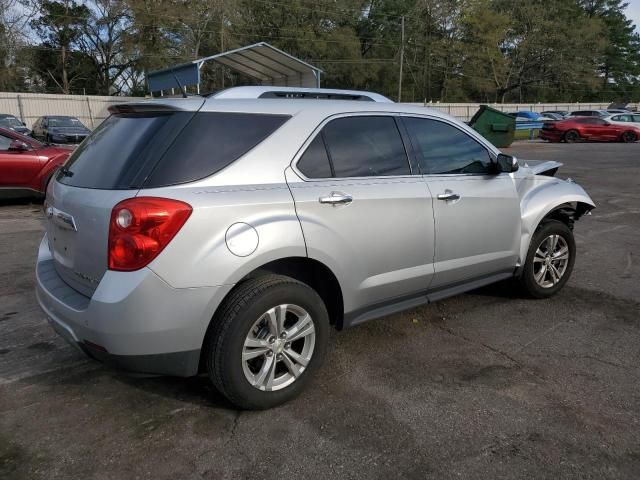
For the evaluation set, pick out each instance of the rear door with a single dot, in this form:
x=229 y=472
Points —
x=363 y=212
x=477 y=213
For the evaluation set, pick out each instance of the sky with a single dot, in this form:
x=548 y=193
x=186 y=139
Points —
x=633 y=12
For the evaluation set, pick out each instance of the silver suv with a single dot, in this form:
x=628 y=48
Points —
x=228 y=234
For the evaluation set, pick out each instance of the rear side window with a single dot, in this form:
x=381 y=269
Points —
x=365 y=146
x=160 y=149
x=314 y=162
x=444 y=149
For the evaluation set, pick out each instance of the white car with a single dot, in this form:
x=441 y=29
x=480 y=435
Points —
x=624 y=118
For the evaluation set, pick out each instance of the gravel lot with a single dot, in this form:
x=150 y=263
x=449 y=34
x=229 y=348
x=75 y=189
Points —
x=485 y=385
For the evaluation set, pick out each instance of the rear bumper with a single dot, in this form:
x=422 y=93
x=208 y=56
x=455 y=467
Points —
x=134 y=320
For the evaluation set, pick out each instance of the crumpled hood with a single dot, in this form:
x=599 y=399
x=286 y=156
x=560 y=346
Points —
x=541 y=167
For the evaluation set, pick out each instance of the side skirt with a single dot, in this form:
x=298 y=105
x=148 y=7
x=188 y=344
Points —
x=407 y=302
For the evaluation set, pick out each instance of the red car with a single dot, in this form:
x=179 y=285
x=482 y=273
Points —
x=26 y=165
x=588 y=128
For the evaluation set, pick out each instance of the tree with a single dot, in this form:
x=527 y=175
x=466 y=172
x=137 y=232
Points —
x=60 y=26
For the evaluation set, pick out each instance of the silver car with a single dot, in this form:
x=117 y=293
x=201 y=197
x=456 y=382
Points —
x=228 y=234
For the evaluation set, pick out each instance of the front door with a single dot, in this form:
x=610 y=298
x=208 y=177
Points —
x=362 y=211
x=477 y=212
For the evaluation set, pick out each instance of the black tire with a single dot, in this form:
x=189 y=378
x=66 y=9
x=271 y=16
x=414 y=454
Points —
x=231 y=324
x=528 y=281
x=572 y=136
x=629 y=137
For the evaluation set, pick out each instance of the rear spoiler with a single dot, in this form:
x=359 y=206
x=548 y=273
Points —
x=190 y=104
x=141 y=108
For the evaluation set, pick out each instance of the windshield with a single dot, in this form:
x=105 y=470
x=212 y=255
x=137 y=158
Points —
x=10 y=122
x=64 y=122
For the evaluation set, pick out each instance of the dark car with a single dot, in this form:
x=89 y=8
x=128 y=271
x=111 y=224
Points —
x=13 y=123
x=588 y=128
x=26 y=165
x=60 y=129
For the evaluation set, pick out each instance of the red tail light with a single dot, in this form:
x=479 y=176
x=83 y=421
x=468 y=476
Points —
x=141 y=227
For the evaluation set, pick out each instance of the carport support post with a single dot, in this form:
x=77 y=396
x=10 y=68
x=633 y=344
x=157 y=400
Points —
x=90 y=113
x=20 y=111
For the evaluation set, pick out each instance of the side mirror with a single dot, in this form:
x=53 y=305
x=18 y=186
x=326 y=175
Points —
x=18 y=146
x=506 y=163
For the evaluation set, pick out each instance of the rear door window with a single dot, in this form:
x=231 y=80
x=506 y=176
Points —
x=136 y=150
x=314 y=162
x=366 y=146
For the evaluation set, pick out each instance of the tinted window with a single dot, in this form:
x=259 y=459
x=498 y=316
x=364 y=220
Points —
x=366 y=147
x=210 y=142
x=444 y=149
x=136 y=150
x=622 y=118
x=314 y=162
x=4 y=142
x=636 y=118
x=10 y=121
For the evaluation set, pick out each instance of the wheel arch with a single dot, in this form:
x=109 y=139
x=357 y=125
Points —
x=560 y=200
x=304 y=269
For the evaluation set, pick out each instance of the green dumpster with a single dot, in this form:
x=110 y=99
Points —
x=494 y=125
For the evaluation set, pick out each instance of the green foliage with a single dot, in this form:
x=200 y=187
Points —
x=454 y=50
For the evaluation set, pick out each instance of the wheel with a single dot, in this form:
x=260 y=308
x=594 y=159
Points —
x=629 y=137
x=549 y=260
x=266 y=341
x=571 y=136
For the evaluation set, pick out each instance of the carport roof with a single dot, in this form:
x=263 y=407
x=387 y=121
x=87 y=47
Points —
x=261 y=61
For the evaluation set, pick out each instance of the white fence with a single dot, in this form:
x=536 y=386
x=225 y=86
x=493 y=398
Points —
x=90 y=110
x=464 y=111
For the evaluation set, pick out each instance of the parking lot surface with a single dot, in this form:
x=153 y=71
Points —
x=484 y=385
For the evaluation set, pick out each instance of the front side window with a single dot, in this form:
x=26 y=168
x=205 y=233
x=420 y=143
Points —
x=622 y=118
x=364 y=146
x=445 y=149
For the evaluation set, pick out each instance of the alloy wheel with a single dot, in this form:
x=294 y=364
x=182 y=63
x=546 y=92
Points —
x=550 y=261
x=278 y=347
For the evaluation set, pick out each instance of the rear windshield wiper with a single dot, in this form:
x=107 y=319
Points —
x=66 y=172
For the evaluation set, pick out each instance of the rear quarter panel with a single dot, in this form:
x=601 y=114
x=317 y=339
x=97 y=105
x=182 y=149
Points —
x=199 y=255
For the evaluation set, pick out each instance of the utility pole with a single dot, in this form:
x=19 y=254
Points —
x=222 y=47
x=401 y=62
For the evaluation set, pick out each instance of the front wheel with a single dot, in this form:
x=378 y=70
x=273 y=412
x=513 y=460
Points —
x=266 y=341
x=549 y=260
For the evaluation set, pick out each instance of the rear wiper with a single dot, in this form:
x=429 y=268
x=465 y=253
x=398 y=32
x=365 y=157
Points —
x=66 y=172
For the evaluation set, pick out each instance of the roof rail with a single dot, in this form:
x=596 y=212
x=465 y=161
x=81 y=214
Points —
x=300 y=93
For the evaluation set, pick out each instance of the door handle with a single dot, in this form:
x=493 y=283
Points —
x=336 y=198
x=448 y=195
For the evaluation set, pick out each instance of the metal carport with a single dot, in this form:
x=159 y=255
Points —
x=265 y=63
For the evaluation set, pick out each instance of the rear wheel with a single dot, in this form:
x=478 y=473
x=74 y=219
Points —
x=266 y=341
x=549 y=261
x=571 y=136
x=629 y=137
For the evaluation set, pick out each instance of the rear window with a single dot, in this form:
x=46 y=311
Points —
x=160 y=149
